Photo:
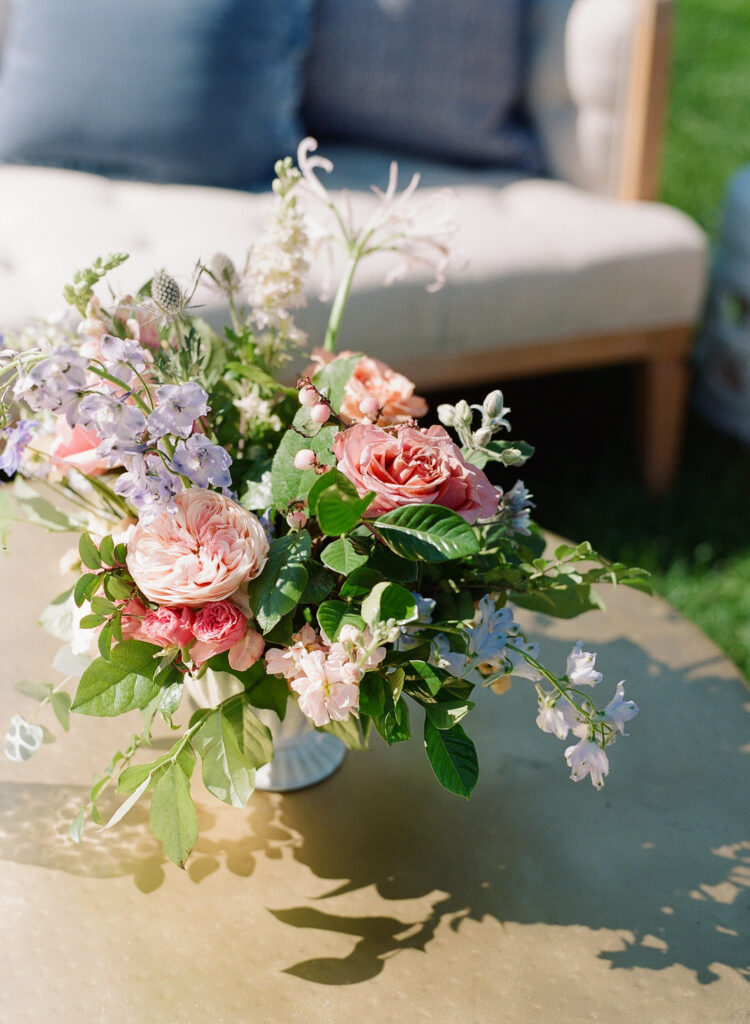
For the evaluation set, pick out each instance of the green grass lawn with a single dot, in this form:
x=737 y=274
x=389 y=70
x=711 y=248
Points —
x=696 y=543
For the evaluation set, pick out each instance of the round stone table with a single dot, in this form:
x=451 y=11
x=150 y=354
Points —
x=376 y=896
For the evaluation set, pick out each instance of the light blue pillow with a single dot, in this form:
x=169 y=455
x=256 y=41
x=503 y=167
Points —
x=440 y=77
x=191 y=91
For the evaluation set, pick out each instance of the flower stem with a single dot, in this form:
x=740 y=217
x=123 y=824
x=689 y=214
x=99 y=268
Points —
x=339 y=302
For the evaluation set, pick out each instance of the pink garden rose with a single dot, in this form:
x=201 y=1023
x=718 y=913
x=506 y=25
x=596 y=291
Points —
x=133 y=614
x=168 y=627
x=75 y=448
x=220 y=627
x=372 y=378
x=413 y=465
x=200 y=554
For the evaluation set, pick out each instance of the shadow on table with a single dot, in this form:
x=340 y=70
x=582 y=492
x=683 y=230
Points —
x=661 y=856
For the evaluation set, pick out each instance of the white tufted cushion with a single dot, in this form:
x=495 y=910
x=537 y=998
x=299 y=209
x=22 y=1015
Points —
x=579 y=83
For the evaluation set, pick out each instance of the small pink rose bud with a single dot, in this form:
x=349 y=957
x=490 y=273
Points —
x=305 y=459
x=308 y=395
x=320 y=412
x=369 y=407
x=296 y=519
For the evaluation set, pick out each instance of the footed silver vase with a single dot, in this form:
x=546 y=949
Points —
x=302 y=756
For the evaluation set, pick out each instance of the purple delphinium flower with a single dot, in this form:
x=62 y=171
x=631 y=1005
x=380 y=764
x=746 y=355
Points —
x=201 y=462
x=52 y=382
x=150 y=486
x=110 y=417
x=16 y=439
x=122 y=357
x=178 y=406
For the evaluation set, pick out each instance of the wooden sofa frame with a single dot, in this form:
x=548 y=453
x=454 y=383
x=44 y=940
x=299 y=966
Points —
x=662 y=354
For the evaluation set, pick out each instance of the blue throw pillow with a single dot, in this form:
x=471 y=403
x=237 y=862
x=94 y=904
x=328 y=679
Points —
x=440 y=77
x=191 y=91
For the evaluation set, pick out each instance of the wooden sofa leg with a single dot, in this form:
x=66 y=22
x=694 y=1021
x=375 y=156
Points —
x=665 y=384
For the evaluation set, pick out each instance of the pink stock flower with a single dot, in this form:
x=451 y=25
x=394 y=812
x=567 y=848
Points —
x=372 y=378
x=202 y=553
x=75 y=448
x=168 y=627
x=216 y=628
x=413 y=465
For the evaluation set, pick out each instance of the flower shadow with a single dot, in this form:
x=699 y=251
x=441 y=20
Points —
x=661 y=857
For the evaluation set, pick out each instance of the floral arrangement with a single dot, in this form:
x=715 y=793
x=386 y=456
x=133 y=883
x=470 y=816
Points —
x=312 y=542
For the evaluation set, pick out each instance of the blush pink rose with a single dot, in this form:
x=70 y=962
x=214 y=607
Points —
x=201 y=553
x=412 y=465
x=222 y=627
x=372 y=378
x=168 y=627
x=75 y=448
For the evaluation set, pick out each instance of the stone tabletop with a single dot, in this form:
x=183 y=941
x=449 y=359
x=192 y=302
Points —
x=378 y=897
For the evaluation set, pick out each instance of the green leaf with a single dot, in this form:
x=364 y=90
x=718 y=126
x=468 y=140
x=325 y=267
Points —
x=117 y=588
x=60 y=702
x=331 y=379
x=427 y=533
x=170 y=697
x=348 y=731
x=40 y=512
x=75 y=829
x=332 y=615
x=123 y=683
x=107 y=550
x=360 y=583
x=279 y=587
x=254 y=737
x=509 y=453
x=173 y=816
x=394 y=727
x=85 y=588
x=563 y=602
x=227 y=772
x=445 y=714
x=391 y=566
x=453 y=758
x=271 y=693
x=320 y=583
x=125 y=806
x=33 y=689
x=289 y=484
x=389 y=601
x=423 y=680
x=89 y=552
x=342 y=557
x=334 y=500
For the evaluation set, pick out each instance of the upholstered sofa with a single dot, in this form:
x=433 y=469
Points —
x=569 y=268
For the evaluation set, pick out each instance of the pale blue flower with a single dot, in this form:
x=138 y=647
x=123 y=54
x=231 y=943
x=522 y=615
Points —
x=178 y=407
x=110 y=417
x=122 y=357
x=16 y=439
x=202 y=462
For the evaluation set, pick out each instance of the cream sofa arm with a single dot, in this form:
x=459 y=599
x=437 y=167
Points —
x=596 y=91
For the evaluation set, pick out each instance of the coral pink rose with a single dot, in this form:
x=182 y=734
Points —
x=133 y=614
x=168 y=627
x=222 y=627
x=75 y=448
x=201 y=553
x=372 y=378
x=413 y=465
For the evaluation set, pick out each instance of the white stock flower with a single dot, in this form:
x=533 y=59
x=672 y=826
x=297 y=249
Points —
x=580 y=667
x=619 y=711
x=587 y=758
